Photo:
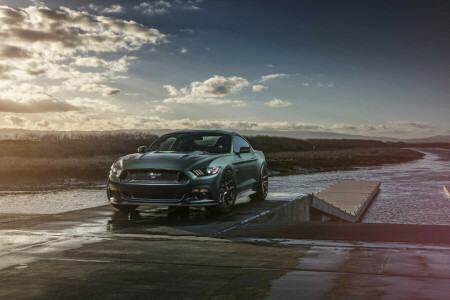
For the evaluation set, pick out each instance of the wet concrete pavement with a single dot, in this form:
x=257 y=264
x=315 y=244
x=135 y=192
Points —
x=160 y=254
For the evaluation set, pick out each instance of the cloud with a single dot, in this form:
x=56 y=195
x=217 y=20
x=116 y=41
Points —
x=37 y=3
x=160 y=7
x=89 y=61
x=273 y=76
x=187 y=30
x=258 y=88
x=413 y=125
x=305 y=84
x=113 y=9
x=391 y=128
x=95 y=7
x=42 y=28
x=65 y=49
x=328 y=85
x=36 y=106
x=42 y=124
x=216 y=86
x=183 y=50
x=278 y=103
x=15 y=121
x=189 y=4
x=94 y=105
x=154 y=8
x=191 y=7
x=162 y=109
x=30 y=98
x=8 y=51
x=270 y=65
x=172 y=90
x=110 y=92
x=5 y=72
x=211 y=91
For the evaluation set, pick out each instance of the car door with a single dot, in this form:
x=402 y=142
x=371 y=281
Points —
x=244 y=164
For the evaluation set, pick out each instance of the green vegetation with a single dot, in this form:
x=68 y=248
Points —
x=285 y=144
x=51 y=146
x=330 y=160
x=55 y=158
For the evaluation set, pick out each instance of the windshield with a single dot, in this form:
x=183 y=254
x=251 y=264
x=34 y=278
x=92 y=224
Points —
x=188 y=142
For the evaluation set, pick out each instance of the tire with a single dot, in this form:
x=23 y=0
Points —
x=263 y=186
x=227 y=194
x=121 y=208
x=125 y=208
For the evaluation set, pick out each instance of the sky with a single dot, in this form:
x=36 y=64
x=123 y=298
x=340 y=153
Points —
x=374 y=68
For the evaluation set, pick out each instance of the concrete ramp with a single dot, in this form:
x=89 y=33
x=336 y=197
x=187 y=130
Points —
x=347 y=199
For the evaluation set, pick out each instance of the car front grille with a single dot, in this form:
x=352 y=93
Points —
x=153 y=196
x=154 y=176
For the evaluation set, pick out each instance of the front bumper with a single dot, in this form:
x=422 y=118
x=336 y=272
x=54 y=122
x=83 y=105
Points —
x=165 y=194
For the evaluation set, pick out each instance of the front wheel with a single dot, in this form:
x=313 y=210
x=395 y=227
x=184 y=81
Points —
x=121 y=208
x=262 y=188
x=125 y=208
x=227 y=194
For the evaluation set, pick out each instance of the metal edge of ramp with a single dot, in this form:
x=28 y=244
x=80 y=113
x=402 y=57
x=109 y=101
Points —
x=447 y=190
x=330 y=209
x=368 y=201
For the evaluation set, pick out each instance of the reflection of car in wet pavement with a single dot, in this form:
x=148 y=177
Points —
x=189 y=168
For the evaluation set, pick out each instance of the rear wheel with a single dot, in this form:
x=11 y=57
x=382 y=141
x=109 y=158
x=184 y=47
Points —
x=262 y=188
x=227 y=194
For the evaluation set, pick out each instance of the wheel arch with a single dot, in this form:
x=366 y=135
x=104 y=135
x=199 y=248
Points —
x=230 y=168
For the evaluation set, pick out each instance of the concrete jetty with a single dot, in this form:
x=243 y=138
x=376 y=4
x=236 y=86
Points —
x=347 y=199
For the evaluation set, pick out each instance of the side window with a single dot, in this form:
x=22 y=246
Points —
x=238 y=143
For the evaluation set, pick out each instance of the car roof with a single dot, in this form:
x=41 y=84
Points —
x=202 y=131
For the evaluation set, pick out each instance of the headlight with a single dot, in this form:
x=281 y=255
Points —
x=116 y=170
x=206 y=172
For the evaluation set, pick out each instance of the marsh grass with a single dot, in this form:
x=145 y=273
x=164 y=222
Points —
x=289 y=162
x=42 y=169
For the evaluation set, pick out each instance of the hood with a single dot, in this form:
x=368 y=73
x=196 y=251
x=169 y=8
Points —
x=171 y=161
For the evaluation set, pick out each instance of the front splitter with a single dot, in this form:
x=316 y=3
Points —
x=163 y=202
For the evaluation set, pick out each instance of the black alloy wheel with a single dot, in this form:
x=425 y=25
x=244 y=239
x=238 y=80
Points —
x=263 y=185
x=121 y=208
x=125 y=208
x=227 y=193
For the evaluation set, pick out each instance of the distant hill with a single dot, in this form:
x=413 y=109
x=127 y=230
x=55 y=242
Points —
x=431 y=139
x=6 y=133
x=316 y=135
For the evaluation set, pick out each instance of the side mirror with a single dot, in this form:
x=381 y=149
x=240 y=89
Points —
x=142 y=149
x=244 y=150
